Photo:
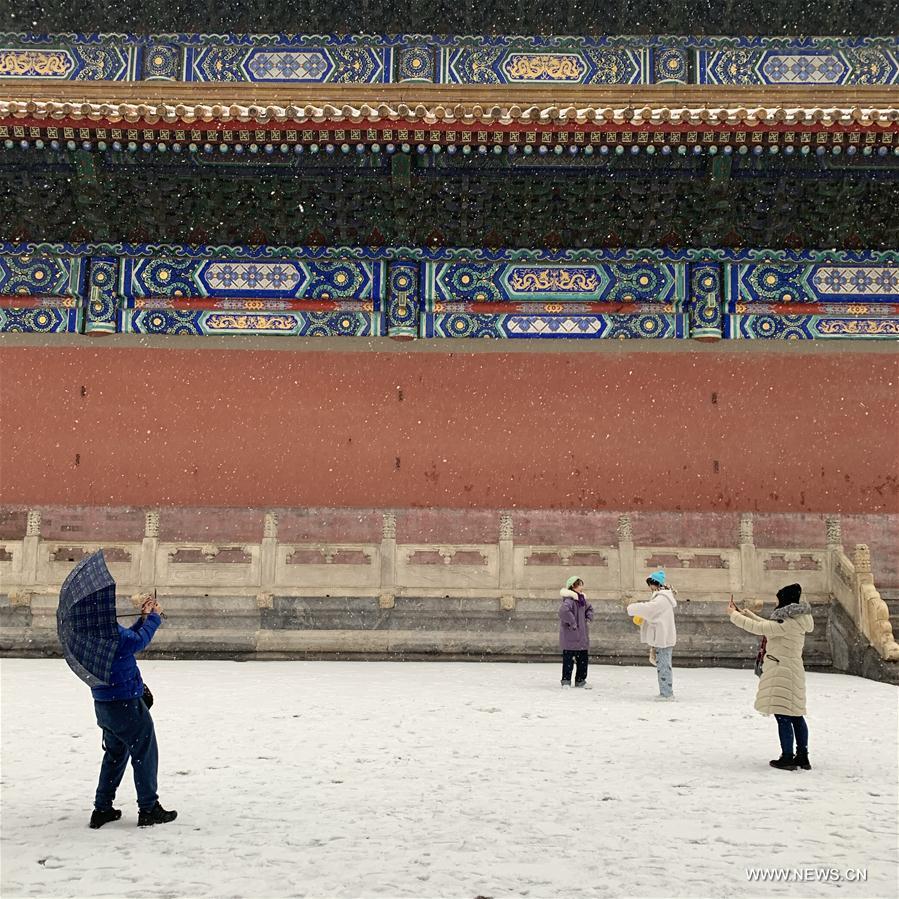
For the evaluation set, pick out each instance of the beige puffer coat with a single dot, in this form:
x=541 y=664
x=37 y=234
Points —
x=782 y=684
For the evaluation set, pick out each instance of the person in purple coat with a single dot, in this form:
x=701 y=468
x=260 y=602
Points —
x=574 y=635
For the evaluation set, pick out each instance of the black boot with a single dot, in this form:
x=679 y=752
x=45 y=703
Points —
x=155 y=815
x=786 y=762
x=802 y=759
x=101 y=816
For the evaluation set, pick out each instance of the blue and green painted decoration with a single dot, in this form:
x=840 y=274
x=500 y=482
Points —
x=403 y=292
x=435 y=59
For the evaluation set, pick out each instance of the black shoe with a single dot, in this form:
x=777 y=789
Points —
x=802 y=759
x=785 y=762
x=566 y=683
x=101 y=816
x=155 y=815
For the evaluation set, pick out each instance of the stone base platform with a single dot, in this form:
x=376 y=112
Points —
x=415 y=628
x=450 y=584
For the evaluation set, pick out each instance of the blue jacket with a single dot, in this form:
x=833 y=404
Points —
x=125 y=681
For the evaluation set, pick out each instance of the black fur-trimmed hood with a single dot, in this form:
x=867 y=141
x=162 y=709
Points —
x=793 y=610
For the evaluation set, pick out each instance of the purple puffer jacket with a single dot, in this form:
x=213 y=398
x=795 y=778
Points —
x=574 y=613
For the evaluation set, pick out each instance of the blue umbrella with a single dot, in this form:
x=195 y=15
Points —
x=86 y=620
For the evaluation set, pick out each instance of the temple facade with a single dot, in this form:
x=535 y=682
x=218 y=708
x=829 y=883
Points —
x=415 y=186
x=349 y=272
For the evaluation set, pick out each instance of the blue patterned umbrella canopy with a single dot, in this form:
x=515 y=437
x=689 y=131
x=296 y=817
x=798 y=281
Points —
x=86 y=620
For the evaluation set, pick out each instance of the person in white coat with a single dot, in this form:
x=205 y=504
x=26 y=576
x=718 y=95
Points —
x=658 y=629
x=781 y=689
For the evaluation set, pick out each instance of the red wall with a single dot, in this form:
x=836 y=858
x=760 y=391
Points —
x=715 y=430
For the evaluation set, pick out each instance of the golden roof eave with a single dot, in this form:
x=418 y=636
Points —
x=538 y=105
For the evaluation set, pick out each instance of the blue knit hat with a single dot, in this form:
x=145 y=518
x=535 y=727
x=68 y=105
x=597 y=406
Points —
x=572 y=580
x=658 y=577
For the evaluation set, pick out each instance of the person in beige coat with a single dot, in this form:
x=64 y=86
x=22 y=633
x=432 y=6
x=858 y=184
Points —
x=782 y=685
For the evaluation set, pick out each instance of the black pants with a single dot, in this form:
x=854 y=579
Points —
x=569 y=657
x=127 y=733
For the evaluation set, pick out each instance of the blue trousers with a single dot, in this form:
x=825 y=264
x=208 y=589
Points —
x=663 y=669
x=787 y=725
x=127 y=733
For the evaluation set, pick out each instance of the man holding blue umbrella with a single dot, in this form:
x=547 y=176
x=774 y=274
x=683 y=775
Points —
x=101 y=652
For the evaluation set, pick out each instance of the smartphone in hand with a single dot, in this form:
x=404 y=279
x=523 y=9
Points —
x=157 y=606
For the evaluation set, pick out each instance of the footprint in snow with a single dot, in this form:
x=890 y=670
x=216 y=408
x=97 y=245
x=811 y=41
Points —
x=50 y=862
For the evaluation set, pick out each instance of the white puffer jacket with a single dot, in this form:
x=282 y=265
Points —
x=658 y=619
x=782 y=684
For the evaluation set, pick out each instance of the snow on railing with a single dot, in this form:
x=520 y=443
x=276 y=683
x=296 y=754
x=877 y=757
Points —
x=853 y=587
x=503 y=570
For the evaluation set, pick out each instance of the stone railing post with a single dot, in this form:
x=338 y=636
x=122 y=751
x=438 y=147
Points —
x=861 y=561
x=873 y=613
x=506 y=562
x=834 y=549
x=31 y=548
x=268 y=553
x=148 y=549
x=387 y=584
x=626 y=555
x=834 y=532
x=748 y=557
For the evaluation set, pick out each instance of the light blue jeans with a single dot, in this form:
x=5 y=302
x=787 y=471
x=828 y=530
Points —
x=663 y=667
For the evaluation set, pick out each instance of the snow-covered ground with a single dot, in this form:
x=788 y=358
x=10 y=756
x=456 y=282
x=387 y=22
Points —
x=449 y=780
